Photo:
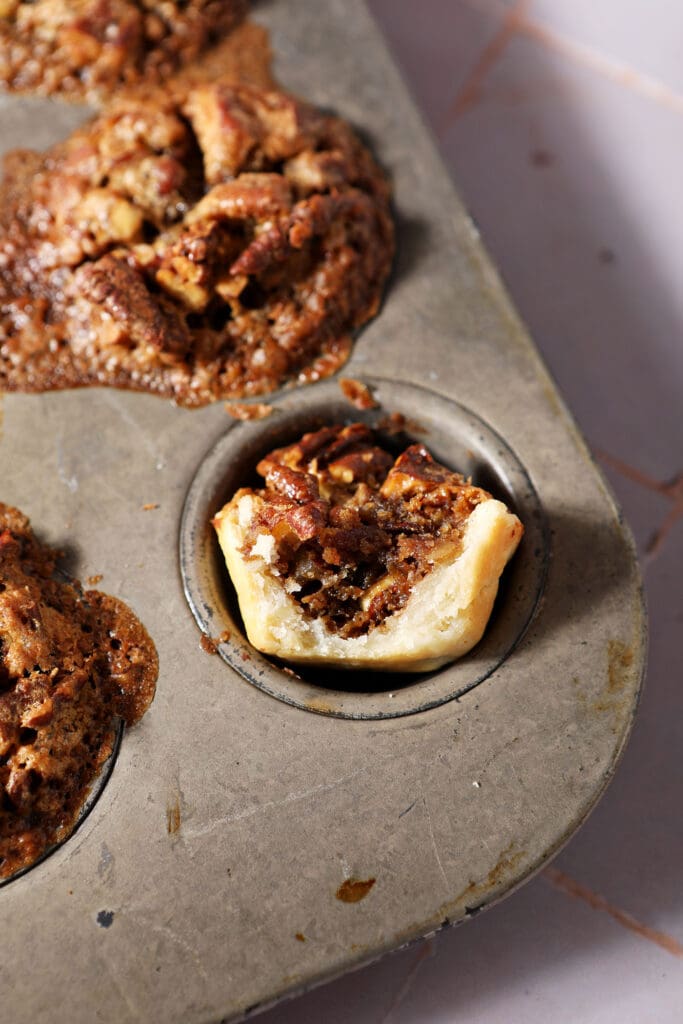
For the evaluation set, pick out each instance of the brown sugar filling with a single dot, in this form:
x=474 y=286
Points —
x=354 y=527
x=71 y=663
x=92 y=47
x=208 y=241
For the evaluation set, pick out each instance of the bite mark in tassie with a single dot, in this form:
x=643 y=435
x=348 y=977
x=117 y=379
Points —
x=353 y=557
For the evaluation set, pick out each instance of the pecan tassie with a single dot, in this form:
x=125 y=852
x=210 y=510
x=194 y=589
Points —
x=71 y=661
x=203 y=244
x=353 y=555
x=90 y=48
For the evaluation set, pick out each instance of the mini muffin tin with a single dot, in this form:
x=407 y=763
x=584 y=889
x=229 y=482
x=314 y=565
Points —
x=245 y=847
x=455 y=437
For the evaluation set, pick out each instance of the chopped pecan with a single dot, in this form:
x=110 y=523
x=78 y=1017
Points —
x=354 y=527
x=119 y=290
x=173 y=245
x=69 y=663
x=90 y=47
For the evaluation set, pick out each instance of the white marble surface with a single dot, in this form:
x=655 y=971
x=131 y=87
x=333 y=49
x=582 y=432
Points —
x=562 y=124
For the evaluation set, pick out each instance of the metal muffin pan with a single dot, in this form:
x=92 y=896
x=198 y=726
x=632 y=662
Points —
x=455 y=437
x=205 y=882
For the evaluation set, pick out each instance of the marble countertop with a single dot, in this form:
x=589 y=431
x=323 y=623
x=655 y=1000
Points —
x=562 y=125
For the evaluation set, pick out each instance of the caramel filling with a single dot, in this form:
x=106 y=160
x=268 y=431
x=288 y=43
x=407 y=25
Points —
x=351 y=529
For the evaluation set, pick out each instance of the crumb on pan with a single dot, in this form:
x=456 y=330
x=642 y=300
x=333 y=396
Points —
x=357 y=393
x=208 y=644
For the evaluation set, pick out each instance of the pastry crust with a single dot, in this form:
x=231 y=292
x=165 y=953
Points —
x=204 y=242
x=90 y=48
x=446 y=610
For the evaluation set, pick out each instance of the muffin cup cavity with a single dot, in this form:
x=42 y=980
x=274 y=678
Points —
x=402 y=414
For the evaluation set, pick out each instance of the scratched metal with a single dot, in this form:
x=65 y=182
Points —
x=232 y=819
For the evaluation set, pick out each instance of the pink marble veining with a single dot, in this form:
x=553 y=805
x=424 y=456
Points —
x=562 y=124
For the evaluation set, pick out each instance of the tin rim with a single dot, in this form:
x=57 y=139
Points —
x=454 y=435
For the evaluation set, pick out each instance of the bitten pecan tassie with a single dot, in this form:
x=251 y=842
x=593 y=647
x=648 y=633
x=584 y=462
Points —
x=89 y=48
x=209 y=243
x=70 y=663
x=355 y=558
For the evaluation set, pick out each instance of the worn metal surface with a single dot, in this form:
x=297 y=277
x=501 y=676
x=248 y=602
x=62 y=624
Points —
x=207 y=878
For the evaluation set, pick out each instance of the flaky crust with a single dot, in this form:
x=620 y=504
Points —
x=90 y=48
x=210 y=241
x=352 y=557
x=444 y=618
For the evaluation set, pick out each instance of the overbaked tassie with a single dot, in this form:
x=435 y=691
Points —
x=71 y=662
x=89 y=48
x=352 y=557
x=210 y=241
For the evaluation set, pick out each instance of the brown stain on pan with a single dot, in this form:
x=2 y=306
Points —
x=323 y=707
x=474 y=893
x=619 y=662
x=620 y=659
x=353 y=890
x=614 y=695
x=173 y=816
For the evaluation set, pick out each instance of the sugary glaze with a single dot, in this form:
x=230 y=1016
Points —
x=71 y=662
x=211 y=240
x=90 y=48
